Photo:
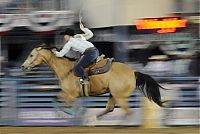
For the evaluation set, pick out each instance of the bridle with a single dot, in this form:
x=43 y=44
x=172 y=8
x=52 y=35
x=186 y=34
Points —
x=40 y=55
x=47 y=60
x=31 y=64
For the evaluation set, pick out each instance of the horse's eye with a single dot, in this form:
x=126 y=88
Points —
x=31 y=55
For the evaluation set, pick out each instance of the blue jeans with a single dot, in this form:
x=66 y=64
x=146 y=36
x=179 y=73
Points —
x=88 y=57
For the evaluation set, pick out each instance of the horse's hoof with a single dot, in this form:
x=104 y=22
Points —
x=127 y=120
x=60 y=114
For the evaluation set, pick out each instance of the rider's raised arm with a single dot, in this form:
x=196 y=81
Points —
x=64 y=50
x=87 y=34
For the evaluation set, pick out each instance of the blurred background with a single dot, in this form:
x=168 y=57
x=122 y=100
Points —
x=157 y=37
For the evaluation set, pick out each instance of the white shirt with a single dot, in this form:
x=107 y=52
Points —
x=77 y=43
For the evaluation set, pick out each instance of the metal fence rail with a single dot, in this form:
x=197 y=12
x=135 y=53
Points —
x=35 y=95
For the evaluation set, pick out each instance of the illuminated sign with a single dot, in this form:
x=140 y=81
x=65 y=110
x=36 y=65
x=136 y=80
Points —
x=162 y=25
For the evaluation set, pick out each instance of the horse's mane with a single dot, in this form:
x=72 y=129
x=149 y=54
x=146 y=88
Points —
x=44 y=46
x=57 y=49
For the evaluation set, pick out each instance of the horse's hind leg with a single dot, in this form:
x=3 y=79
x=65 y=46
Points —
x=123 y=103
x=109 y=107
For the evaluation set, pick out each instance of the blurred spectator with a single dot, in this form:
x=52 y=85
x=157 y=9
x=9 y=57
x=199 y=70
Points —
x=159 y=65
x=194 y=67
x=180 y=65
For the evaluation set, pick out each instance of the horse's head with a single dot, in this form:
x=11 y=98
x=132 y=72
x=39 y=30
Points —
x=35 y=58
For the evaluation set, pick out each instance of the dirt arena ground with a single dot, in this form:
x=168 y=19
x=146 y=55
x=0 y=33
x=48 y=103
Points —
x=98 y=130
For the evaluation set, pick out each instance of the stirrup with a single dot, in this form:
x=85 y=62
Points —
x=84 y=81
x=84 y=86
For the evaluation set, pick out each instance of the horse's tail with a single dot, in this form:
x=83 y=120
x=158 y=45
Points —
x=149 y=87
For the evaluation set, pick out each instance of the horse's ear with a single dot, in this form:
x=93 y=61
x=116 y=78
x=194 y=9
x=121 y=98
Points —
x=43 y=45
x=39 y=48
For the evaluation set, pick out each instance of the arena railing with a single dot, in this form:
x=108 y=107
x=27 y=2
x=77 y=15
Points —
x=35 y=91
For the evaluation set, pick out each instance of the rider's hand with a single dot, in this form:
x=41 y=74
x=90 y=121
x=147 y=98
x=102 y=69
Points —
x=54 y=50
x=81 y=24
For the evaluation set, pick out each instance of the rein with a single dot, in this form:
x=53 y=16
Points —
x=50 y=59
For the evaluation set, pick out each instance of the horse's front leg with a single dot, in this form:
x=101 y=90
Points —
x=109 y=106
x=68 y=101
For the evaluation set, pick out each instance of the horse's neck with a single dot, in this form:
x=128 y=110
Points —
x=60 y=67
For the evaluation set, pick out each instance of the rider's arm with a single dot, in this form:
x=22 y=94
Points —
x=64 y=50
x=88 y=33
x=86 y=36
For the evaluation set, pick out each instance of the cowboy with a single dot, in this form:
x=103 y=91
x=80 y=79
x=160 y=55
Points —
x=78 y=42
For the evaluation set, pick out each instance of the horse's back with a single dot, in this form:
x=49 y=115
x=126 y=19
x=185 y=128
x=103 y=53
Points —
x=121 y=68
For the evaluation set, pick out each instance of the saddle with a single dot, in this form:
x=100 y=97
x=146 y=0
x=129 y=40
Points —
x=102 y=65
